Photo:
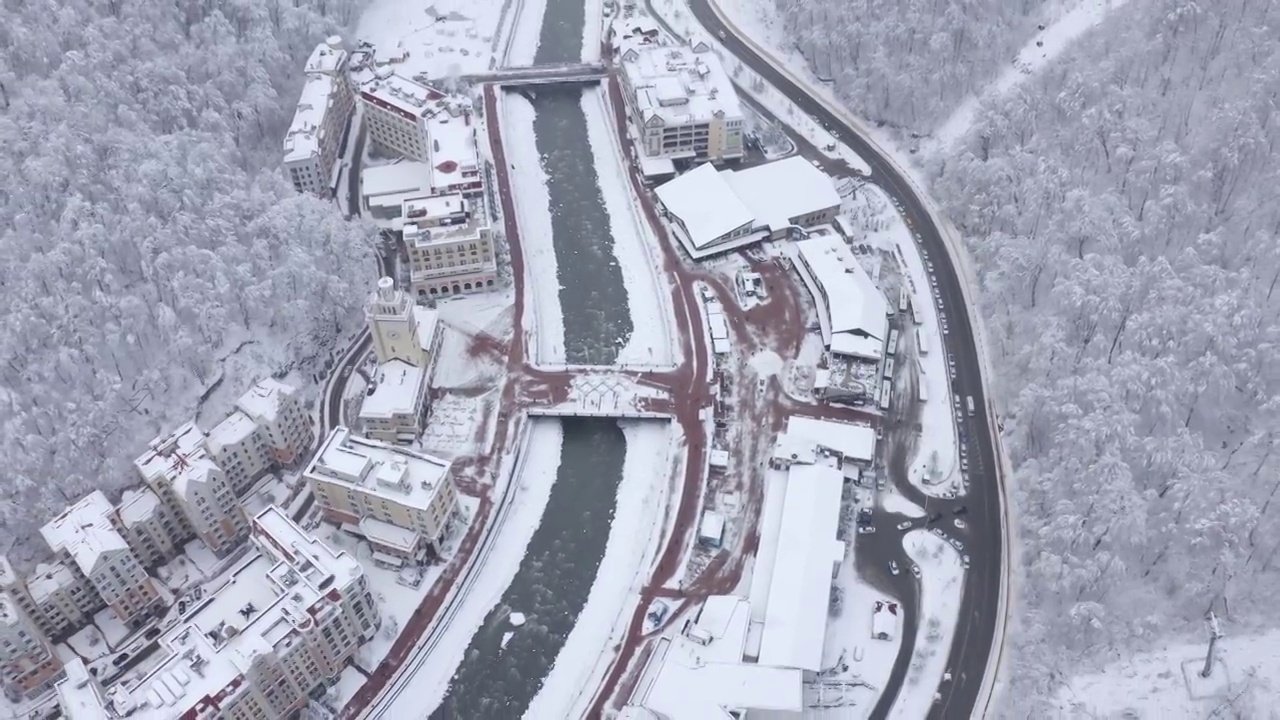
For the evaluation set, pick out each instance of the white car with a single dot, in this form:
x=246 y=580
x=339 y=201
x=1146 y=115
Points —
x=960 y=524
x=965 y=561
x=893 y=566
x=957 y=544
x=904 y=525
x=915 y=569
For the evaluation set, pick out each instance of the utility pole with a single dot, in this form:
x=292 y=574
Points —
x=1215 y=634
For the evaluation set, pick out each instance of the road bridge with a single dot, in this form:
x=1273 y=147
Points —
x=552 y=74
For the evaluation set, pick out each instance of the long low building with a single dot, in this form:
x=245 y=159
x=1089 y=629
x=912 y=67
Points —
x=852 y=312
x=716 y=211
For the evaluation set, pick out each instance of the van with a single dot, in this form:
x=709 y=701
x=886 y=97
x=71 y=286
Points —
x=971 y=408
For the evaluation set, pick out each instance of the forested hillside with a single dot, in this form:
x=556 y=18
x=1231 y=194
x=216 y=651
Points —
x=144 y=229
x=908 y=63
x=1122 y=207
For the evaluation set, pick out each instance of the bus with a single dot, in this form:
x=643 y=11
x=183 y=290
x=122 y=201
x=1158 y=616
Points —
x=922 y=341
x=971 y=409
x=888 y=369
x=902 y=299
x=915 y=314
x=923 y=389
x=893 y=342
x=884 y=395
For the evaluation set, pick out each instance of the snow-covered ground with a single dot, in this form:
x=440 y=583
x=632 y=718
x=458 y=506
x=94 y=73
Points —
x=676 y=13
x=634 y=245
x=634 y=542
x=534 y=476
x=396 y=601
x=1039 y=51
x=524 y=32
x=460 y=424
x=941 y=587
x=592 y=30
x=1164 y=683
x=441 y=38
x=533 y=214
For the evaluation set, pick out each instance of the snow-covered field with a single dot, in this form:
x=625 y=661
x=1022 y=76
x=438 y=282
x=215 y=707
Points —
x=544 y=321
x=634 y=542
x=525 y=35
x=533 y=479
x=941 y=586
x=1039 y=51
x=442 y=38
x=634 y=245
x=1164 y=683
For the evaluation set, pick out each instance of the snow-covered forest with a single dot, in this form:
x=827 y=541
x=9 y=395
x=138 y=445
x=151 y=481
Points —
x=1122 y=209
x=145 y=229
x=907 y=63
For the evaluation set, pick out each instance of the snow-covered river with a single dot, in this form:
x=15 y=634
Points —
x=499 y=676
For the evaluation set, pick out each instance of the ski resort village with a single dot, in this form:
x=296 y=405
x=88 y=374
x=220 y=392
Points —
x=655 y=413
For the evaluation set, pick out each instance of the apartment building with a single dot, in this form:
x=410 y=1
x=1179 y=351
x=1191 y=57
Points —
x=277 y=410
x=406 y=339
x=450 y=246
x=415 y=121
x=400 y=501
x=320 y=121
x=149 y=527
x=239 y=446
x=394 y=410
x=681 y=102
x=84 y=534
x=62 y=599
x=288 y=620
x=28 y=664
x=210 y=505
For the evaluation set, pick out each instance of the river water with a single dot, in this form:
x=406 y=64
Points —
x=562 y=559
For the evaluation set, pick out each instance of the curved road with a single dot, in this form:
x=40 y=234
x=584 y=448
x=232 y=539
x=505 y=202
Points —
x=971 y=646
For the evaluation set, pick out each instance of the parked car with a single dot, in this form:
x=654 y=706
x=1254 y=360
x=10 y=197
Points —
x=904 y=525
x=935 y=517
x=893 y=566
x=965 y=561
x=915 y=569
x=960 y=509
x=866 y=529
x=960 y=524
x=957 y=544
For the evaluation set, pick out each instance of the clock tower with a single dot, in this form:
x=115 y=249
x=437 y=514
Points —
x=393 y=325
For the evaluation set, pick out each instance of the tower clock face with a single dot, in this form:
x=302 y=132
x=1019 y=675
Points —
x=393 y=334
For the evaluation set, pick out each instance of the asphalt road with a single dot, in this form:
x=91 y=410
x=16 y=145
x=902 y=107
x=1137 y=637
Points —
x=971 y=646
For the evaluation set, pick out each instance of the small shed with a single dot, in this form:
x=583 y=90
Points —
x=719 y=459
x=711 y=529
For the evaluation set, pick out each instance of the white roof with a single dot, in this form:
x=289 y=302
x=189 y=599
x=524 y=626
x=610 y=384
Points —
x=49 y=578
x=79 y=694
x=400 y=388
x=328 y=57
x=383 y=470
x=7 y=575
x=233 y=430
x=163 y=453
x=256 y=610
x=705 y=204
x=403 y=94
x=319 y=95
x=404 y=179
x=712 y=526
x=421 y=209
x=84 y=532
x=428 y=324
x=201 y=471
x=851 y=441
x=265 y=399
x=453 y=149
x=726 y=619
x=137 y=506
x=779 y=191
x=719 y=458
x=678 y=85
x=689 y=687
x=859 y=346
x=852 y=302
x=384 y=533
x=795 y=619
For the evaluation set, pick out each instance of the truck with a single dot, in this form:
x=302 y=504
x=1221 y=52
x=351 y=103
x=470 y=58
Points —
x=971 y=407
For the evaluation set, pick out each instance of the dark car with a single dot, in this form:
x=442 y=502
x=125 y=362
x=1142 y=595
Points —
x=960 y=510
x=935 y=517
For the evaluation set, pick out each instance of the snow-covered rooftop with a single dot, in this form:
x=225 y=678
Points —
x=265 y=600
x=306 y=131
x=420 y=236
x=400 y=387
x=84 y=532
x=396 y=182
x=705 y=204
x=49 y=578
x=433 y=207
x=163 y=454
x=779 y=191
x=453 y=148
x=849 y=301
x=137 y=505
x=80 y=696
x=859 y=346
x=233 y=430
x=264 y=400
x=7 y=576
x=428 y=325
x=384 y=533
x=410 y=98
x=679 y=84
x=795 y=618
x=200 y=471
x=405 y=476
x=689 y=686
x=857 y=442
x=328 y=57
